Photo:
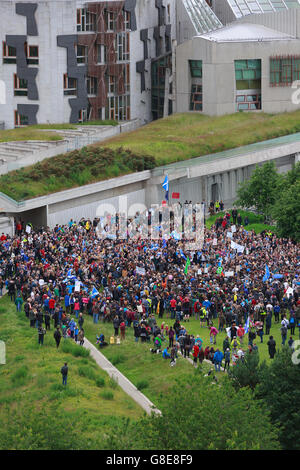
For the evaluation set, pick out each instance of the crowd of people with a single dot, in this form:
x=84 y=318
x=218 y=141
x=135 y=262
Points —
x=239 y=282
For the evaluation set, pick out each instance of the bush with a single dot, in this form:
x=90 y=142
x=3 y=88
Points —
x=117 y=359
x=100 y=382
x=107 y=395
x=20 y=376
x=113 y=383
x=88 y=372
x=142 y=384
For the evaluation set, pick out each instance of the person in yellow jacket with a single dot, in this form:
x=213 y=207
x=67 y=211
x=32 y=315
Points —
x=202 y=316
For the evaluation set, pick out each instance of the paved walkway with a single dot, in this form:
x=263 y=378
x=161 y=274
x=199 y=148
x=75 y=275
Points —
x=124 y=383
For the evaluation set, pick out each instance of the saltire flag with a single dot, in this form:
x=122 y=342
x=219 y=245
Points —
x=247 y=324
x=165 y=185
x=69 y=273
x=188 y=262
x=267 y=275
x=182 y=255
x=95 y=293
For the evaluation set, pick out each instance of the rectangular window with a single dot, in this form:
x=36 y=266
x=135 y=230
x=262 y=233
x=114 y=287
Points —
x=20 y=86
x=110 y=20
x=83 y=115
x=86 y=21
x=32 y=54
x=122 y=47
x=196 y=103
x=284 y=70
x=126 y=15
x=9 y=54
x=169 y=13
x=91 y=85
x=248 y=102
x=20 y=120
x=118 y=108
x=70 y=85
x=248 y=74
x=196 y=68
x=82 y=54
x=101 y=54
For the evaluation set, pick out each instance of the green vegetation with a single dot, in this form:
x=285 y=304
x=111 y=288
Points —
x=183 y=136
x=176 y=138
x=274 y=196
x=200 y=415
x=84 y=166
x=36 y=410
x=256 y=221
x=33 y=132
x=28 y=133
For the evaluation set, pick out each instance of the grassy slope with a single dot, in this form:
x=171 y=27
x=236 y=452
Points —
x=183 y=136
x=33 y=132
x=32 y=376
x=255 y=221
x=178 y=137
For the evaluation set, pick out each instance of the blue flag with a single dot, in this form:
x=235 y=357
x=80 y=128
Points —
x=247 y=324
x=267 y=275
x=165 y=185
x=95 y=293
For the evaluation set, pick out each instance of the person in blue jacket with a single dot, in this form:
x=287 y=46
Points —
x=218 y=357
x=165 y=354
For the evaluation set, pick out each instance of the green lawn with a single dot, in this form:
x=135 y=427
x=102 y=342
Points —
x=256 y=222
x=31 y=377
x=33 y=132
x=176 y=138
x=188 y=135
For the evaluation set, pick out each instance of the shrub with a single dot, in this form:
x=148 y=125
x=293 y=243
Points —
x=142 y=384
x=88 y=372
x=113 y=383
x=107 y=395
x=117 y=359
x=100 y=382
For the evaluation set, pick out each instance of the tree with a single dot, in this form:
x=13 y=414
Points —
x=286 y=210
x=246 y=373
x=280 y=390
x=260 y=191
x=201 y=415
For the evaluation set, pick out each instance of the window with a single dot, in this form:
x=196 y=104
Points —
x=9 y=54
x=91 y=85
x=196 y=98
x=20 y=120
x=110 y=20
x=70 y=85
x=86 y=21
x=32 y=54
x=169 y=13
x=284 y=70
x=118 y=108
x=248 y=74
x=82 y=54
x=112 y=85
x=122 y=47
x=126 y=15
x=248 y=102
x=83 y=115
x=20 y=86
x=196 y=68
x=127 y=78
x=101 y=54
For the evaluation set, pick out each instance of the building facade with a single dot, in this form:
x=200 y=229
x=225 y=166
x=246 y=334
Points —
x=69 y=61
x=72 y=61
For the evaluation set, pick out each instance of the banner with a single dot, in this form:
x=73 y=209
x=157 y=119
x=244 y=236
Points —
x=175 y=195
x=140 y=271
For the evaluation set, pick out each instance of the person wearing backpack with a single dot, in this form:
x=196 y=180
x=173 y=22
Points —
x=227 y=359
x=64 y=372
x=283 y=331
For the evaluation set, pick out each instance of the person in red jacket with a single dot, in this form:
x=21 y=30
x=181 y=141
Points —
x=196 y=351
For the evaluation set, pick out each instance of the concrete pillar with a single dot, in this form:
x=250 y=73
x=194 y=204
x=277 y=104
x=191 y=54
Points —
x=297 y=158
x=153 y=194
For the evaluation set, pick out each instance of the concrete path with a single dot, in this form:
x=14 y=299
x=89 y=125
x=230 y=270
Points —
x=124 y=383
